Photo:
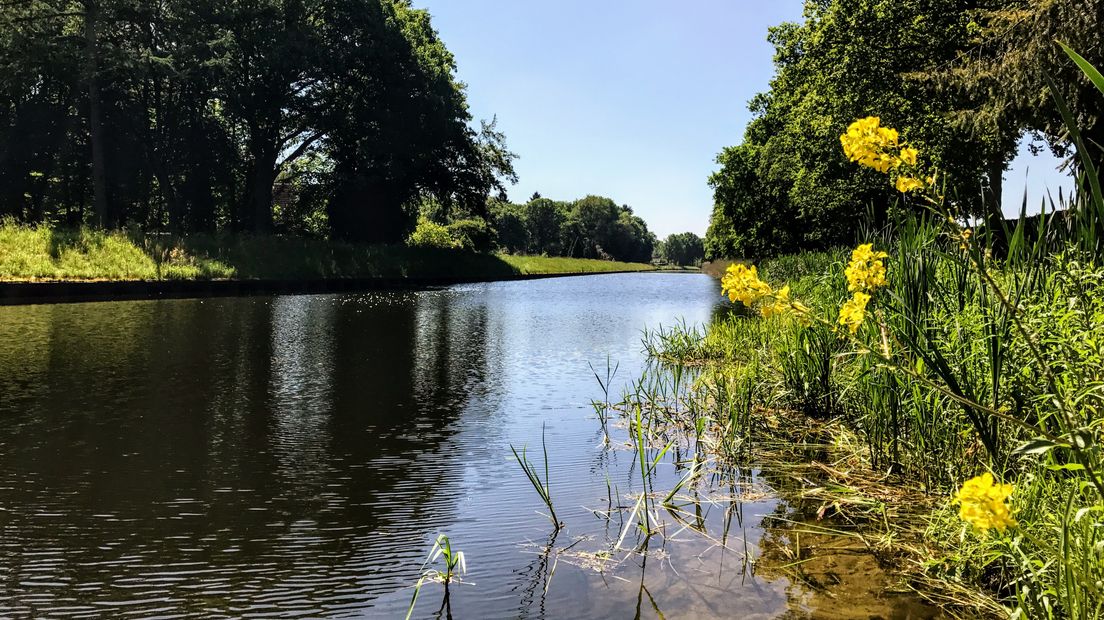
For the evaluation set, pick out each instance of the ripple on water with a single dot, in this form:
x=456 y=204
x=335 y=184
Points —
x=296 y=457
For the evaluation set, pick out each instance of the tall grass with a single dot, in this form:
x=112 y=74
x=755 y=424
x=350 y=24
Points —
x=983 y=355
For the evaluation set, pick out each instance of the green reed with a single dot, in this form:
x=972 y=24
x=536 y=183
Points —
x=454 y=566
x=540 y=485
x=984 y=355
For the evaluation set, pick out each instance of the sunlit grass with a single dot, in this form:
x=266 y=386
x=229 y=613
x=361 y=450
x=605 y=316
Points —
x=45 y=253
x=536 y=265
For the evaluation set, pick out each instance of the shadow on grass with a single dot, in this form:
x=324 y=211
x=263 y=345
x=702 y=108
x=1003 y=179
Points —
x=298 y=258
x=48 y=254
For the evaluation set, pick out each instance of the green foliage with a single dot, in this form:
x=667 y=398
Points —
x=593 y=227
x=1014 y=66
x=430 y=234
x=472 y=234
x=44 y=253
x=455 y=565
x=994 y=368
x=541 y=485
x=510 y=223
x=545 y=221
x=305 y=117
x=789 y=187
x=682 y=249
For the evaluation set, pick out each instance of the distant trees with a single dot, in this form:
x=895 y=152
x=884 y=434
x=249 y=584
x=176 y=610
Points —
x=592 y=227
x=962 y=81
x=682 y=249
x=326 y=116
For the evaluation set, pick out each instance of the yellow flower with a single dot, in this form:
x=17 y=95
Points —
x=868 y=143
x=853 y=313
x=780 y=303
x=866 y=272
x=964 y=241
x=742 y=284
x=880 y=148
x=908 y=155
x=984 y=504
x=909 y=184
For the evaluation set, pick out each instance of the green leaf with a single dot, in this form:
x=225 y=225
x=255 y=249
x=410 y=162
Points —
x=1091 y=71
x=1090 y=173
x=1039 y=445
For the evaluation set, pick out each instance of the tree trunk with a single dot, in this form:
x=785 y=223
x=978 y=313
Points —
x=170 y=193
x=95 y=120
x=264 y=175
x=257 y=210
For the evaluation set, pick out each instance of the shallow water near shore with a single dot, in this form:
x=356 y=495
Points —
x=297 y=456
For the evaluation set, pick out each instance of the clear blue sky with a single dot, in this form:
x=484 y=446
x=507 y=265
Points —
x=630 y=99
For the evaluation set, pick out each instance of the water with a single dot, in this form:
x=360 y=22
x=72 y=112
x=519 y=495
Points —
x=297 y=456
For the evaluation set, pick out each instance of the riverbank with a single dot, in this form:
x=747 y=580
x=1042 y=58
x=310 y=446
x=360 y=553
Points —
x=39 y=264
x=959 y=378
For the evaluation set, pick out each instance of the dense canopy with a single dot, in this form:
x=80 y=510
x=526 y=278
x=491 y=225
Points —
x=963 y=81
x=322 y=116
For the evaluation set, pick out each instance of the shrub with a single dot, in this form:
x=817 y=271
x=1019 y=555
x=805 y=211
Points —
x=430 y=234
x=473 y=234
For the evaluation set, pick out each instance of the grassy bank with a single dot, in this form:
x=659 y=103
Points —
x=44 y=253
x=961 y=366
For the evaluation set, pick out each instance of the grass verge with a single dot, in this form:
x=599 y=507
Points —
x=49 y=254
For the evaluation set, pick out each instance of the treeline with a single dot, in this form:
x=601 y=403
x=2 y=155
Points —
x=329 y=117
x=963 y=81
x=592 y=227
x=685 y=249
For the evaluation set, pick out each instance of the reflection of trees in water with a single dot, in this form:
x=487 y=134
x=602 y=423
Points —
x=450 y=348
x=294 y=436
x=301 y=391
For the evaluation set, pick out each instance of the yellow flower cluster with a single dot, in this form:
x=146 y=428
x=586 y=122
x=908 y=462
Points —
x=877 y=147
x=780 y=303
x=868 y=143
x=853 y=313
x=741 y=283
x=866 y=272
x=984 y=504
x=909 y=184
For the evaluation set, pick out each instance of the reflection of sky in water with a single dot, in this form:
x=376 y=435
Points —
x=299 y=454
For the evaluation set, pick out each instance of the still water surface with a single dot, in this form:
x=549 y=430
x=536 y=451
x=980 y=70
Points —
x=297 y=456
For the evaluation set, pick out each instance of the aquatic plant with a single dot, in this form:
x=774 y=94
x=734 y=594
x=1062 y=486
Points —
x=454 y=566
x=541 y=486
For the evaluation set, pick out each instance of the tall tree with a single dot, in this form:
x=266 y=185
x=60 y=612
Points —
x=790 y=185
x=1011 y=63
x=95 y=111
x=185 y=114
